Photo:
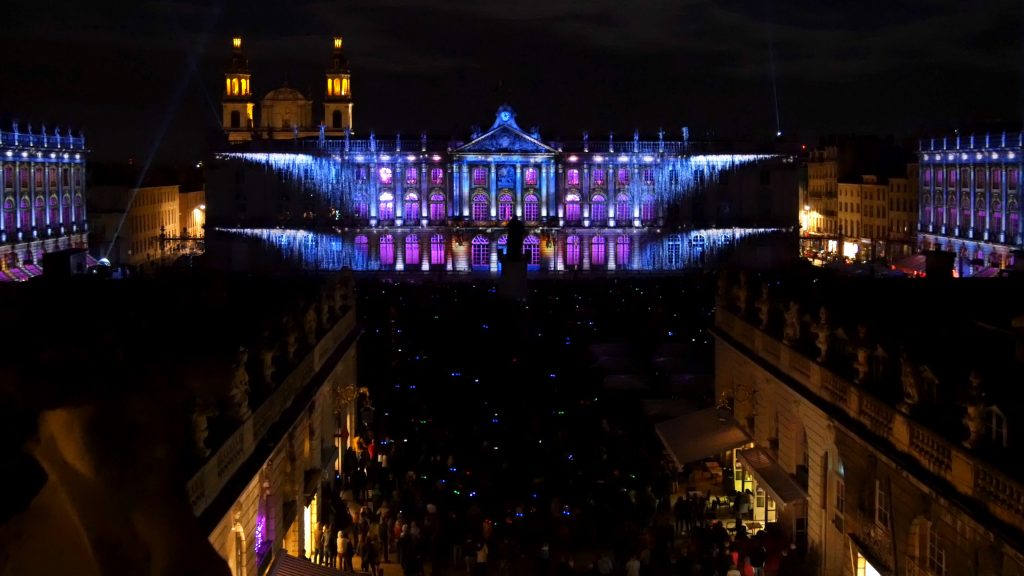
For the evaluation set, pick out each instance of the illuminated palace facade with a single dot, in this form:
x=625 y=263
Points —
x=970 y=197
x=42 y=182
x=423 y=204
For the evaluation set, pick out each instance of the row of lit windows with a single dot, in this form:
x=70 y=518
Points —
x=479 y=176
x=236 y=86
x=40 y=176
x=951 y=175
x=338 y=86
x=481 y=207
x=53 y=212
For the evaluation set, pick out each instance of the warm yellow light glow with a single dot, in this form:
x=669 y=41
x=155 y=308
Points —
x=337 y=87
x=337 y=42
x=345 y=86
x=236 y=41
x=234 y=86
x=227 y=85
x=245 y=86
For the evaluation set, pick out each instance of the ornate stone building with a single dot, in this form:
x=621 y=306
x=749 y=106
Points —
x=43 y=185
x=970 y=201
x=894 y=421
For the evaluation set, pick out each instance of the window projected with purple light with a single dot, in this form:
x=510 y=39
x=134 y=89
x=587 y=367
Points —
x=1012 y=178
x=647 y=208
x=54 y=211
x=387 y=250
x=997 y=218
x=597 y=251
x=622 y=212
x=531 y=247
x=361 y=252
x=598 y=210
x=410 y=176
x=623 y=178
x=951 y=206
x=79 y=214
x=649 y=176
x=9 y=216
x=437 y=176
x=385 y=175
x=480 y=251
x=40 y=213
x=979 y=179
x=437 y=250
x=66 y=208
x=412 y=250
x=361 y=208
x=926 y=209
x=437 y=212
x=531 y=208
x=480 y=207
x=622 y=252
x=572 y=208
x=386 y=207
x=980 y=216
x=411 y=207
x=965 y=210
x=598 y=177
x=26 y=214
x=572 y=177
x=505 y=207
x=530 y=176
x=1012 y=224
x=572 y=250
x=479 y=176
x=503 y=244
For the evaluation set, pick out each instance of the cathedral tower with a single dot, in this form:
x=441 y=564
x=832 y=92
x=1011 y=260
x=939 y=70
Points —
x=338 y=98
x=237 y=101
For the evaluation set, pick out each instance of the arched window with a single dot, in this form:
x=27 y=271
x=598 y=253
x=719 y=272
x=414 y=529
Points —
x=480 y=207
x=40 y=213
x=411 y=208
x=572 y=251
x=480 y=251
x=530 y=176
x=531 y=248
x=597 y=254
x=997 y=218
x=336 y=119
x=437 y=250
x=236 y=119
x=503 y=244
x=361 y=208
x=386 y=207
x=940 y=210
x=981 y=221
x=572 y=177
x=951 y=208
x=9 y=216
x=387 y=250
x=572 y=207
x=361 y=251
x=623 y=215
x=1012 y=220
x=505 y=207
x=437 y=210
x=598 y=210
x=647 y=209
x=673 y=252
x=386 y=176
x=54 y=211
x=531 y=208
x=79 y=208
x=926 y=210
x=412 y=250
x=622 y=252
x=965 y=212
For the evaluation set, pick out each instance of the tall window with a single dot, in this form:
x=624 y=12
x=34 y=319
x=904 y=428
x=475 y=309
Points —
x=623 y=214
x=951 y=207
x=480 y=251
x=8 y=177
x=531 y=208
x=437 y=176
x=387 y=250
x=881 y=505
x=623 y=178
x=437 y=250
x=997 y=427
x=54 y=211
x=940 y=210
x=673 y=252
x=965 y=178
x=411 y=208
x=24 y=178
x=622 y=252
x=979 y=179
x=386 y=207
x=936 y=562
x=480 y=207
x=9 y=215
x=386 y=176
x=965 y=211
x=980 y=222
x=572 y=177
x=412 y=250
x=531 y=247
x=939 y=173
x=361 y=208
x=572 y=207
x=840 y=517
x=437 y=211
x=572 y=251
x=926 y=210
x=361 y=251
x=39 y=178
x=40 y=213
x=479 y=176
x=79 y=208
x=530 y=176
x=597 y=253
x=1012 y=179
x=951 y=178
x=927 y=176
x=505 y=207
x=598 y=210
x=361 y=173
x=648 y=176
x=1013 y=220
x=996 y=179
x=997 y=218
x=411 y=175
x=647 y=209
x=598 y=176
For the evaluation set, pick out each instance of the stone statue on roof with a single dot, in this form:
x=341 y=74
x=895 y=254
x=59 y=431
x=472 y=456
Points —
x=309 y=324
x=823 y=332
x=764 y=306
x=742 y=294
x=974 y=405
x=268 y=352
x=909 y=381
x=238 y=394
x=200 y=428
x=791 y=329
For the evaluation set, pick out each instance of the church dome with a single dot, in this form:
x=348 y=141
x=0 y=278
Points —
x=284 y=93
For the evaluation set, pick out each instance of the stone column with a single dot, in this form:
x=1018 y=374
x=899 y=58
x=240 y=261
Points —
x=559 y=197
x=544 y=189
x=464 y=190
x=398 y=181
x=493 y=192
x=519 y=191
x=1003 y=184
x=636 y=190
x=424 y=194
x=374 y=178
x=585 y=199
x=612 y=201
x=971 y=184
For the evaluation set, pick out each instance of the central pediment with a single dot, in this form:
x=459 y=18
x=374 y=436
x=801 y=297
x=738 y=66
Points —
x=506 y=139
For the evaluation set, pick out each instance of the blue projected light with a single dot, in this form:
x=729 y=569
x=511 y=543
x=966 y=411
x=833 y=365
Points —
x=505 y=115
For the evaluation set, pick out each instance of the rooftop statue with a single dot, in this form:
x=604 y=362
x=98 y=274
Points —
x=238 y=394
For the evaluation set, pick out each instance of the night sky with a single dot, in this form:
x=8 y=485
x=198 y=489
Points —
x=122 y=70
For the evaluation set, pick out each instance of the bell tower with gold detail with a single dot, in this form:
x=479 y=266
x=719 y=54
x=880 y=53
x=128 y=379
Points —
x=237 y=101
x=338 y=97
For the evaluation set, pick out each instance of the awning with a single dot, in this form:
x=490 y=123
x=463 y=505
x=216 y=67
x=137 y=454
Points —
x=699 y=435
x=783 y=489
x=285 y=565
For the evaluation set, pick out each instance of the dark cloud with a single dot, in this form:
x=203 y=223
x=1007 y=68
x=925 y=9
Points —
x=116 y=68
